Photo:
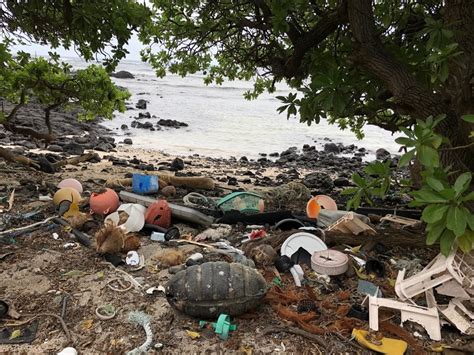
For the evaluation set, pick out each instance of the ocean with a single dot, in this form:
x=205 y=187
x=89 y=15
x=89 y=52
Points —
x=221 y=122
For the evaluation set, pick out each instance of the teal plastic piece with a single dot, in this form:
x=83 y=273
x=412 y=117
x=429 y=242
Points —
x=245 y=202
x=222 y=327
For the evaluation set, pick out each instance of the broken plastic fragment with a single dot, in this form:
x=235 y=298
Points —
x=387 y=345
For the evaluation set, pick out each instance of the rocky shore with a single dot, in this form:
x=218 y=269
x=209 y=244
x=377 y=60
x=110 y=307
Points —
x=326 y=171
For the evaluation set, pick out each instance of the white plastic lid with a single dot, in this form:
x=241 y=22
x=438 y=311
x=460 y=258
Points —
x=304 y=240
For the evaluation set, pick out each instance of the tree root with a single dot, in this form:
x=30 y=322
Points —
x=76 y=160
x=15 y=158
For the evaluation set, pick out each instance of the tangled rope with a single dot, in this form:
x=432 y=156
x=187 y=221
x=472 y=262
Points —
x=293 y=193
x=142 y=319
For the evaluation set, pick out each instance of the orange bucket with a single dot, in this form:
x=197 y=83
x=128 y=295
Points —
x=313 y=208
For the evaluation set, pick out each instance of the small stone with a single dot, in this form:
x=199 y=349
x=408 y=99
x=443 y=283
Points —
x=141 y=104
x=144 y=115
x=332 y=148
x=177 y=164
x=128 y=141
x=55 y=148
x=124 y=127
x=169 y=191
x=382 y=154
x=73 y=148
x=341 y=181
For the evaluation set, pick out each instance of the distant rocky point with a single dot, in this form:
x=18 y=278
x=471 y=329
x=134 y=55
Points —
x=123 y=74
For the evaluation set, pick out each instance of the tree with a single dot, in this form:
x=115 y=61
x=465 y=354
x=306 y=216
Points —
x=354 y=62
x=92 y=28
x=89 y=26
x=401 y=65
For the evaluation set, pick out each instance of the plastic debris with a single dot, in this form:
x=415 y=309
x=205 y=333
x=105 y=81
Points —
x=193 y=335
x=106 y=312
x=214 y=233
x=305 y=240
x=73 y=183
x=441 y=269
x=329 y=262
x=382 y=345
x=350 y=223
x=368 y=288
x=426 y=317
x=135 y=220
x=459 y=315
x=68 y=351
x=132 y=259
x=222 y=327
x=143 y=320
x=104 y=202
x=144 y=184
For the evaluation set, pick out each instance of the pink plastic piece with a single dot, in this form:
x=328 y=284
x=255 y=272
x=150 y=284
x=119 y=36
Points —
x=426 y=317
x=76 y=185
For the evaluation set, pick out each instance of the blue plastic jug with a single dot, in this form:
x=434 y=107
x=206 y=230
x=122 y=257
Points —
x=144 y=184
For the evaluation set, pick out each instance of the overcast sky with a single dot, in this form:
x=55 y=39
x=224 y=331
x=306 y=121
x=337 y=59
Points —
x=134 y=47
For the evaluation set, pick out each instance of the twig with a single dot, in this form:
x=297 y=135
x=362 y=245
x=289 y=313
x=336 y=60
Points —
x=26 y=227
x=459 y=147
x=63 y=324
x=297 y=331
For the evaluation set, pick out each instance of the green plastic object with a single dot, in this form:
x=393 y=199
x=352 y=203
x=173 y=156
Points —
x=245 y=202
x=222 y=327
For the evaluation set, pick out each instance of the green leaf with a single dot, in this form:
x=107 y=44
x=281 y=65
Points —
x=447 y=241
x=462 y=183
x=349 y=191
x=468 y=197
x=456 y=220
x=448 y=194
x=434 y=183
x=470 y=221
x=428 y=156
x=428 y=196
x=466 y=241
x=406 y=158
x=468 y=118
x=433 y=213
x=358 y=180
x=405 y=141
x=433 y=235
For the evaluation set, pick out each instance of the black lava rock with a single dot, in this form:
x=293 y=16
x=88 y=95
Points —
x=141 y=104
x=332 y=148
x=177 y=164
x=73 y=148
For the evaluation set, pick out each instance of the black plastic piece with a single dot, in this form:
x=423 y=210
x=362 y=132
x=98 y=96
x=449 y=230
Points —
x=114 y=259
x=359 y=312
x=375 y=267
x=271 y=218
x=283 y=263
x=289 y=224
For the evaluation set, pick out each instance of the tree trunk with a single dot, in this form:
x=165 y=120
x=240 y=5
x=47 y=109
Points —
x=371 y=56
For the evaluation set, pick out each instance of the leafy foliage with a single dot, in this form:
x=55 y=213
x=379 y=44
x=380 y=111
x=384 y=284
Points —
x=446 y=211
x=308 y=45
x=54 y=83
x=377 y=183
x=90 y=26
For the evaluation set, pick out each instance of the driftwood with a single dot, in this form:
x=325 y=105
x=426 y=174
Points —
x=390 y=237
x=10 y=156
x=75 y=160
